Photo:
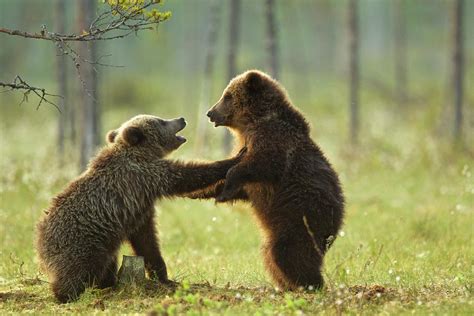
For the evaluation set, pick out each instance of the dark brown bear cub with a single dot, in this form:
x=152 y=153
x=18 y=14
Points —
x=112 y=201
x=292 y=187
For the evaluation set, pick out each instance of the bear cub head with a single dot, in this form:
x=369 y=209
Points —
x=148 y=131
x=249 y=98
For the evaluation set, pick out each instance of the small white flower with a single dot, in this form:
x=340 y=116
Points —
x=390 y=271
x=378 y=294
x=310 y=287
x=338 y=302
x=397 y=279
x=238 y=296
x=342 y=233
x=421 y=254
x=214 y=219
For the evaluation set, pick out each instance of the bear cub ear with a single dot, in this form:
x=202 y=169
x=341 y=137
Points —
x=111 y=136
x=253 y=80
x=133 y=135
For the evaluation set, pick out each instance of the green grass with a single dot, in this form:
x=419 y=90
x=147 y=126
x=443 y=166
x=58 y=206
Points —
x=406 y=246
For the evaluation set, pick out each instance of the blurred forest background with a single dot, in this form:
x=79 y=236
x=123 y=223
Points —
x=404 y=63
x=385 y=85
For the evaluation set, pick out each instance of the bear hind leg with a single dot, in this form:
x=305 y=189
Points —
x=273 y=269
x=67 y=287
x=295 y=264
x=109 y=277
x=70 y=282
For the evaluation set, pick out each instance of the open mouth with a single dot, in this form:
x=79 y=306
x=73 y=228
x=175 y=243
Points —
x=218 y=121
x=179 y=138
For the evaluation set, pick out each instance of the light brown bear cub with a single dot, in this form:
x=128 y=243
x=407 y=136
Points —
x=112 y=201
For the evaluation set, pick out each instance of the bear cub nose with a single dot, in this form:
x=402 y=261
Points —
x=210 y=114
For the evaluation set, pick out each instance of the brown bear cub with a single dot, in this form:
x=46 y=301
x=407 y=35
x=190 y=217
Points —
x=295 y=192
x=113 y=201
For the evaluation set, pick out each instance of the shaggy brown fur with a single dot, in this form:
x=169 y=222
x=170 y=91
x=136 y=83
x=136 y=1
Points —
x=294 y=190
x=112 y=201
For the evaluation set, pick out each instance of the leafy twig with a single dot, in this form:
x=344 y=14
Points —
x=117 y=21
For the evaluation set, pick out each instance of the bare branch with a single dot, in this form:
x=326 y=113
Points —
x=118 y=19
x=20 y=84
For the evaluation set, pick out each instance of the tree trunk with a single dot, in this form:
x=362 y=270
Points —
x=89 y=118
x=272 y=45
x=234 y=21
x=400 y=52
x=61 y=73
x=354 y=70
x=94 y=84
x=204 y=104
x=458 y=67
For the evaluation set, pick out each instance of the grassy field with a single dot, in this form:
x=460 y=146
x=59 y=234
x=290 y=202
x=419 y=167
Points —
x=406 y=246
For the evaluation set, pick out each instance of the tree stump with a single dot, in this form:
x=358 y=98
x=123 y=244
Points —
x=132 y=270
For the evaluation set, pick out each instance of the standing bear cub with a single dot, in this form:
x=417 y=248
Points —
x=294 y=190
x=112 y=201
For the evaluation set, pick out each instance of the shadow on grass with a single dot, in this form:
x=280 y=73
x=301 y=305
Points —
x=17 y=296
x=158 y=299
x=151 y=289
x=234 y=295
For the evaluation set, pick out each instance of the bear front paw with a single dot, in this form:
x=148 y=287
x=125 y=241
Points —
x=226 y=195
x=222 y=198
